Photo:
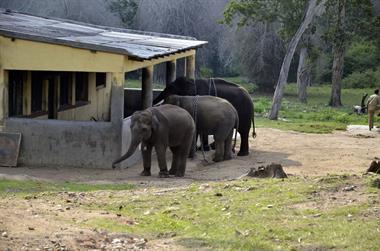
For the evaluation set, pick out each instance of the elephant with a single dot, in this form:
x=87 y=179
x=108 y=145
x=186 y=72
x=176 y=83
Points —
x=212 y=116
x=235 y=94
x=158 y=127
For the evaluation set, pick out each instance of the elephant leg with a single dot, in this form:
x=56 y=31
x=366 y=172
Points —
x=193 y=147
x=182 y=160
x=219 y=150
x=228 y=147
x=175 y=160
x=147 y=159
x=244 y=147
x=206 y=146
x=161 y=157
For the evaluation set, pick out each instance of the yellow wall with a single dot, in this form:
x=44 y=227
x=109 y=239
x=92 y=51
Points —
x=18 y=54
x=36 y=56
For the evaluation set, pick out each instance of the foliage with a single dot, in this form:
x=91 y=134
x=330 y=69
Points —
x=365 y=79
x=315 y=116
x=288 y=14
x=206 y=72
x=361 y=56
x=126 y=9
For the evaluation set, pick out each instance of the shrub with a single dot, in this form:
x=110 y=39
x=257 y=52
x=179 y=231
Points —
x=206 y=72
x=365 y=79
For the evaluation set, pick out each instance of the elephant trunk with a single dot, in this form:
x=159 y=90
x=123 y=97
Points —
x=132 y=148
x=160 y=97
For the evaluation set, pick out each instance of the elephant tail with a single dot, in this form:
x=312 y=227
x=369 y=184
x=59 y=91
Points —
x=236 y=131
x=253 y=121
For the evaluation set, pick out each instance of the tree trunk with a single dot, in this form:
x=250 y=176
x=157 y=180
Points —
x=312 y=9
x=337 y=71
x=303 y=75
x=339 y=50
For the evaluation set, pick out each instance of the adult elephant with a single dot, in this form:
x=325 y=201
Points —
x=212 y=116
x=158 y=127
x=235 y=94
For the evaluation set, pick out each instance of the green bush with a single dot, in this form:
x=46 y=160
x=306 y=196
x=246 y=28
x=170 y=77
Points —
x=206 y=72
x=361 y=56
x=262 y=106
x=365 y=79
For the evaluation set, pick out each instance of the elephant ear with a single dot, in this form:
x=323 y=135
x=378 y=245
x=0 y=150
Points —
x=155 y=123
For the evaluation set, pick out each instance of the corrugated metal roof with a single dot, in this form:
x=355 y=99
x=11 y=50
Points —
x=136 y=44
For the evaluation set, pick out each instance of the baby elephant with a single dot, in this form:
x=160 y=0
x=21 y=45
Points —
x=212 y=116
x=162 y=127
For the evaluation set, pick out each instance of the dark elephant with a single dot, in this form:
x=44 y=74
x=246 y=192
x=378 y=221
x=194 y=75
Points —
x=158 y=127
x=235 y=94
x=212 y=116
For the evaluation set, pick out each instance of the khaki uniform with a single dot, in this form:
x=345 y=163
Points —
x=373 y=106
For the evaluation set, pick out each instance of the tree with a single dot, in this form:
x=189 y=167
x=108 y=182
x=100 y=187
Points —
x=285 y=12
x=346 y=19
x=126 y=9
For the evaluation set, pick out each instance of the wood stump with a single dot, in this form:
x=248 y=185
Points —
x=270 y=171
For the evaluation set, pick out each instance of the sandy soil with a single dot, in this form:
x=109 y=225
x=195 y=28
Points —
x=299 y=153
x=42 y=224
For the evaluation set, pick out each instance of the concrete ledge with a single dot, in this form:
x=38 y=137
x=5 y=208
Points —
x=66 y=143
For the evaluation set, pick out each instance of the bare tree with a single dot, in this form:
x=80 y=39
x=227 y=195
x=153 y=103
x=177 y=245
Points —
x=312 y=9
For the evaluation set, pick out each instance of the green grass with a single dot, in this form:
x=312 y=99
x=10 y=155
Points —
x=250 y=215
x=32 y=187
x=135 y=83
x=315 y=116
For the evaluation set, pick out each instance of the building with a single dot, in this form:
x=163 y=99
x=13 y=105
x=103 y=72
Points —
x=62 y=85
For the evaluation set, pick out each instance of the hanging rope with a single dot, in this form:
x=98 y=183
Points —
x=211 y=81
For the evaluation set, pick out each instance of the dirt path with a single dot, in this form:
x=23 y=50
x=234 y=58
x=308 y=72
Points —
x=51 y=223
x=299 y=153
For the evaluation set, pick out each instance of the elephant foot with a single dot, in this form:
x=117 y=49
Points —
x=243 y=153
x=172 y=171
x=227 y=157
x=212 y=145
x=215 y=159
x=206 y=148
x=145 y=173
x=180 y=174
x=163 y=174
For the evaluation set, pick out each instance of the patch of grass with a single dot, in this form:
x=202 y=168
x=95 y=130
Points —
x=246 y=215
x=315 y=116
x=136 y=83
x=32 y=187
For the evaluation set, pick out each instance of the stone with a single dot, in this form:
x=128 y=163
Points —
x=4 y=234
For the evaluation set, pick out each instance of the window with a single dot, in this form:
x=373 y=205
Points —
x=65 y=89
x=101 y=79
x=15 y=93
x=37 y=90
x=81 y=86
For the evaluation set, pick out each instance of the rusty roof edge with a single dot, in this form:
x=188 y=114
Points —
x=107 y=28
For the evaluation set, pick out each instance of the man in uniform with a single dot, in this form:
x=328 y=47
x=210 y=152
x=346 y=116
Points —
x=373 y=106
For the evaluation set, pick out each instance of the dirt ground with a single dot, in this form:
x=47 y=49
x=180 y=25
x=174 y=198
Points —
x=347 y=152
x=36 y=223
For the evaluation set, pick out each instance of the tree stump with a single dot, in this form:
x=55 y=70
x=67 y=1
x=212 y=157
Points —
x=270 y=171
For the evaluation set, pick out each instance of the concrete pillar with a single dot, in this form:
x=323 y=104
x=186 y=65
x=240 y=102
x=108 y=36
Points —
x=190 y=67
x=117 y=98
x=27 y=95
x=147 y=87
x=171 y=71
x=3 y=97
